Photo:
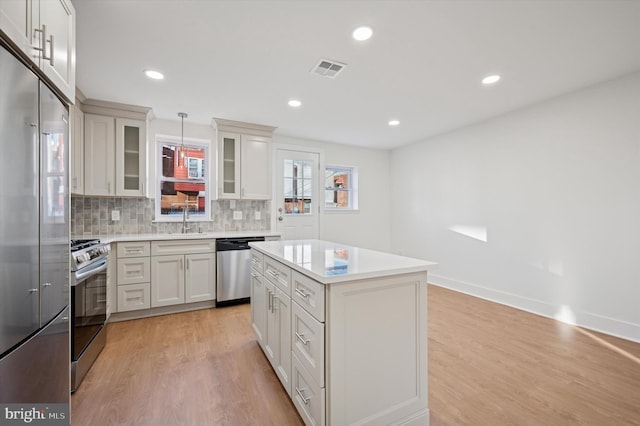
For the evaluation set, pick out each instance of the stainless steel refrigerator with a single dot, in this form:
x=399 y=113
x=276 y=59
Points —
x=34 y=238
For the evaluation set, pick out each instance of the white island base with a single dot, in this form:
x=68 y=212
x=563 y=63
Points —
x=345 y=330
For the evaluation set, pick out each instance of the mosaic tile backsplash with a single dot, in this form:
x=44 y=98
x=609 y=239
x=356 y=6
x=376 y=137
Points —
x=92 y=216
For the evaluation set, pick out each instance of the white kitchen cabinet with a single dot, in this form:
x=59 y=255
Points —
x=76 y=165
x=277 y=332
x=168 y=280
x=342 y=330
x=182 y=271
x=133 y=297
x=244 y=153
x=308 y=397
x=259 y=298
x=115 y=153
x=271 y=317
x=133 y=275
x=45 y=31
x=255 y=167
x=99 y=155
x=131 y=157
x=16 y=21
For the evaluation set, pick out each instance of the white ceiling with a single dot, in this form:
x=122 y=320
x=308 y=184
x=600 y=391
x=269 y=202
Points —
x=243 y=60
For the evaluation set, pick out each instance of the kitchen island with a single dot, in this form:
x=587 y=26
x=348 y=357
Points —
x=345 y=330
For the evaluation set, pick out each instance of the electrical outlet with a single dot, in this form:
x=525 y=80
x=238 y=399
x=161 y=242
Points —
x=115 y=215
x=237 y=215
x=258 y=215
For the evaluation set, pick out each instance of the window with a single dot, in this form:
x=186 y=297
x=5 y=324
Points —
x=341 y=188
x=182 y=179
x=196 y=167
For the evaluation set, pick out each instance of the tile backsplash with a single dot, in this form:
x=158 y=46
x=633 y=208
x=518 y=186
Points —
x=92 y=216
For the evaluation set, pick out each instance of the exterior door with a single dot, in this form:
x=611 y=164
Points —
x=297 y=208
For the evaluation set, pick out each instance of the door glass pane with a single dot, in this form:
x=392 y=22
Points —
x=297 y=183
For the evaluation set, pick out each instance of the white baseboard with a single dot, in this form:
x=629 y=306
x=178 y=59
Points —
x=611 y=326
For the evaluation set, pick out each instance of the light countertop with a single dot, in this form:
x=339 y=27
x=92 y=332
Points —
x=177 y=236
x=328 y=262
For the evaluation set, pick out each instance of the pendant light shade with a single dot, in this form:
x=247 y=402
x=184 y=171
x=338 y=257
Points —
x=182 y=115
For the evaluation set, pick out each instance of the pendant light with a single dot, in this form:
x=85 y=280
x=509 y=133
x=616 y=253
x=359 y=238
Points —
x=182 y=115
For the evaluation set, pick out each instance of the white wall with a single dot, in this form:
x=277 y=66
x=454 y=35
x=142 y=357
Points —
x=368 y=227
x=555 y=188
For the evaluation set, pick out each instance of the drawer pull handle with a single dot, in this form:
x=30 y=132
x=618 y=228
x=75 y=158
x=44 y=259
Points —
x=302 y=397
x=302 y=293
x=302 y=339
x=273 y=273
x=254 y=275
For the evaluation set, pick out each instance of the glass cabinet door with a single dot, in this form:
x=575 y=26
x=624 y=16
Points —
x=229 y=167
x=130 y=157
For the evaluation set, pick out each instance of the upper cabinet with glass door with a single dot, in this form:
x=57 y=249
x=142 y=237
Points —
x=244 y=153
x=131 y=157
x=115 y=150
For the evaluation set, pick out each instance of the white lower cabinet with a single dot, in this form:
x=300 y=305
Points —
x=132 y=276
x=308 y=342
x=132 y=297
x=351 y=352
x=308 y=397
x=168 y=280
x=278 y=336
x=182 y=271
x=271 y=317
x=258 y=307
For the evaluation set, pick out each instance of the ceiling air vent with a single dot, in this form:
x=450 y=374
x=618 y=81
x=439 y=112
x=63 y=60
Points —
x=328 y=68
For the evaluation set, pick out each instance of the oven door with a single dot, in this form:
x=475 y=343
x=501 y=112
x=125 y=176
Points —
x=88 y=305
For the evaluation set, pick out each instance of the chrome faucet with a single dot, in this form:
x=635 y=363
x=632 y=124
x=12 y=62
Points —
x=185 y=216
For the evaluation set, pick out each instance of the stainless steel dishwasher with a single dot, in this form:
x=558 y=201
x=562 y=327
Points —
x=234 y=266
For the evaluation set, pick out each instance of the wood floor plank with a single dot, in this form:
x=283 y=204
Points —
x=488 y=365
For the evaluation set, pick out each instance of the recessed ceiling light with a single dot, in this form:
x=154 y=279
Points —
x=394 y=122
x=294 y=103
x=491 y=79
x=362 y=33
x=155 y=75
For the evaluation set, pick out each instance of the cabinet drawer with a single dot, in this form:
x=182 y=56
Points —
x=309 y=294
x=308 y=397
x=307 y=342
x=182 y=247
x=134 y=270
x=257 y=260
x=132 y=297
x=133 y=249
x=278 y=274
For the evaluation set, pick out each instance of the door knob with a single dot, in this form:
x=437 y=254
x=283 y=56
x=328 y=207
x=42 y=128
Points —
x=280 y=218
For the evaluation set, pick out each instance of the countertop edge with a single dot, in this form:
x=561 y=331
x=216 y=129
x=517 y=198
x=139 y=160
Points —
x=424 y=266
x=107 y=239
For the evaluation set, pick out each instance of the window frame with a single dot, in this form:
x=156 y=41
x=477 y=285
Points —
x=352 y=188
x=205 y=145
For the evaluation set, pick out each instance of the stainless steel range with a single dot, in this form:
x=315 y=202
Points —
x=88 y=305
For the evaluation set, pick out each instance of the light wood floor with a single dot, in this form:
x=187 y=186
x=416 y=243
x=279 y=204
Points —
x=488 y=365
